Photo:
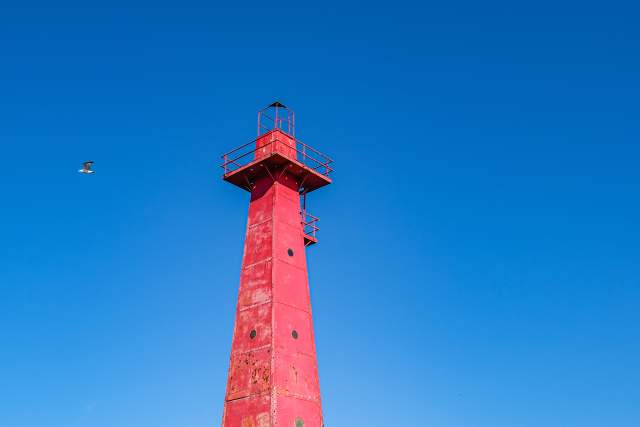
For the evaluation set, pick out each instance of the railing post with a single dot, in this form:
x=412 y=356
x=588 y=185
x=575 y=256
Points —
x=259 y=116
x=304 y=154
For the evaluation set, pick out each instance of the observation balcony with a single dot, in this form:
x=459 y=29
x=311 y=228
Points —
x=275 y=151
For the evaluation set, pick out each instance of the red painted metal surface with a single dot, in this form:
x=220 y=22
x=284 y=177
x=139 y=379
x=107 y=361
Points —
x=275 y=150
x=273 y=373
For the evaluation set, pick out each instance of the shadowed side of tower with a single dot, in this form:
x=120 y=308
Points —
x=273 y=374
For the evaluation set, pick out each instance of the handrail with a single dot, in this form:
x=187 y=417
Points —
x=314 y=150
x=320 y=165
x=309 y=227
x=278 y=122
x=239 y=148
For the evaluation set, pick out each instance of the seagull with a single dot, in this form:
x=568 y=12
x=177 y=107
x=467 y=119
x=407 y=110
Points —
x=86 y=167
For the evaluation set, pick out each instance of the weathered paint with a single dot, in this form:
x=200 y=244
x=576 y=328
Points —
x=278 y=141
x=273 y=373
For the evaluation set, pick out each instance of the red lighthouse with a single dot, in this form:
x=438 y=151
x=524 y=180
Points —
x=273 y=372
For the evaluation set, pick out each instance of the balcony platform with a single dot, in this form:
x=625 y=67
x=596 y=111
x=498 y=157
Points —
x=245 y=175
x=272 y=153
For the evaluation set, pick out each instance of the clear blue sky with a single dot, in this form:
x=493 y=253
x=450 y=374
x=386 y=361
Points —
x=479 y=257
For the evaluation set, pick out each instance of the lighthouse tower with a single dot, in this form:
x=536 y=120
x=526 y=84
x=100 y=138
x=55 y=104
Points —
x=273 y=372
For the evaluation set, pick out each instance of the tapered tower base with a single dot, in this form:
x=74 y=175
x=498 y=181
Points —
x=273 y=372
x=273 y=375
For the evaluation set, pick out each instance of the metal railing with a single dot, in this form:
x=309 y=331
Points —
x=284 y=122
x=245 y=154
x=309 y=224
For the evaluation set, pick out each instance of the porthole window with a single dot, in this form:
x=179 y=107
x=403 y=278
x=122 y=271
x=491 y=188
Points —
x=252 y=334
x=294 y=334
x=290 y=252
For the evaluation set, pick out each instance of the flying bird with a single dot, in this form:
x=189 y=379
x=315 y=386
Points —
x=86 y=167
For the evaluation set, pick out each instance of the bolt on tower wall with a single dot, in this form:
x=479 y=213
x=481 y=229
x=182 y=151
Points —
x=273 y=374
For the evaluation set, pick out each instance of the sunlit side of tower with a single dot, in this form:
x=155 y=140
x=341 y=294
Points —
x=273 y=372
